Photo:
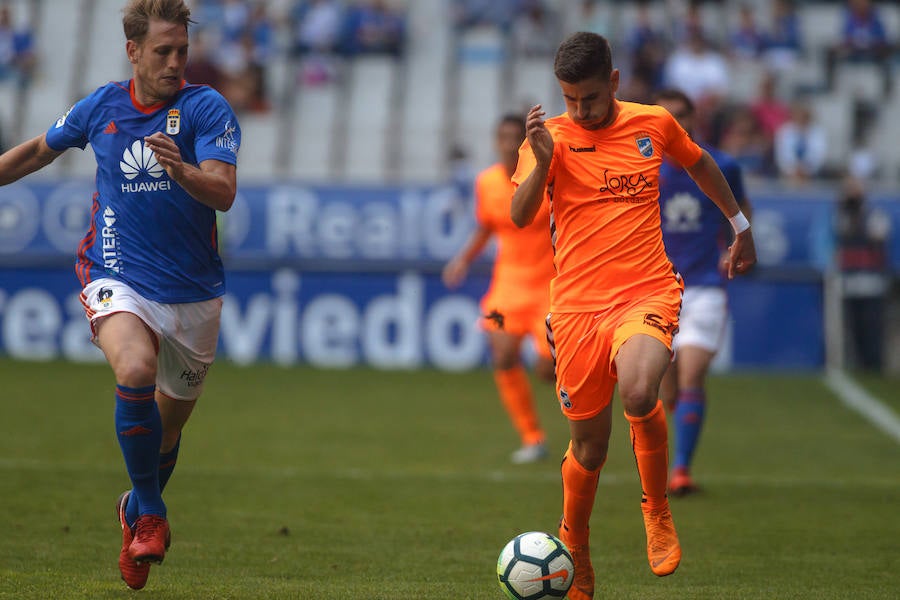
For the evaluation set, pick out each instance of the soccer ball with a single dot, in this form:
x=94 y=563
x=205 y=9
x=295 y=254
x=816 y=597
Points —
x=535 y=565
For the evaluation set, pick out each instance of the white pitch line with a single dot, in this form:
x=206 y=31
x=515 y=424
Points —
x=871 y=408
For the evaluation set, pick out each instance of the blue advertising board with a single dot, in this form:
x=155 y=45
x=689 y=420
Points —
x=337 y=276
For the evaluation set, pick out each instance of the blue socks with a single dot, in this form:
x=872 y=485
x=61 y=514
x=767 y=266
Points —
x=167 y=462
x=689 y=414
x=139 y=430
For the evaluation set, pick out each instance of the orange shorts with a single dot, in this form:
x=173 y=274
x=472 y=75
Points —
x=586 y=345
x=521 y=323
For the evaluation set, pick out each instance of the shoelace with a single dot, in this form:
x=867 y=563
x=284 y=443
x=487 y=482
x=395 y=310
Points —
x=655 y=522
x=149 y=526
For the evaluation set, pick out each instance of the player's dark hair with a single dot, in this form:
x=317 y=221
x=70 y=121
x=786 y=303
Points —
x=513 y=119
x=676 y=95
x=137 y=15
x=581 y=56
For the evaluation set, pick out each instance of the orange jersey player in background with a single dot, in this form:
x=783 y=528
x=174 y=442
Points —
x=615 y=301
x=518 y=299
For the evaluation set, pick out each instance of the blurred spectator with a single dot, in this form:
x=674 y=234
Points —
x=247 y=45
x=863 y=39
x=201 y=68
x=535 y=30
x=373 y=27
x=784 y=43
x=636 y=88
x=702 y=73
x=800 y=145
x=747 y=41
x=647 y=46
x=768 y=108
x=17 y=56
x=770 y=113
x=589 y=17
x=317 y=26
x=743 y=139
x=493 y=13
x=860 y=235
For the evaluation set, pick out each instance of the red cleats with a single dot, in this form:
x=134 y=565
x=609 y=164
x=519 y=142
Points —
x=151 y=539
x=680 y=483
x=134 y=574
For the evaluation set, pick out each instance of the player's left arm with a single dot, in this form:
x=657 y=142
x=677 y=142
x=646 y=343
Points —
x=707 y=175
x=213 y=182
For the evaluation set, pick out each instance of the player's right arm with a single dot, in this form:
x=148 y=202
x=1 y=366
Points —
x=458 y=267
x=530 y=192
x=26 y=158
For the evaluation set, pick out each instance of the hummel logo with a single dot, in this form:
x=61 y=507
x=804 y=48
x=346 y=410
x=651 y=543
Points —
x=583 y=149
x=111 y=128
x=562 y=574
x=139 y=158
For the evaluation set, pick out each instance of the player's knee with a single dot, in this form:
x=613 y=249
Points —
x=135 y=371
x=638 y=399
x=590 y=454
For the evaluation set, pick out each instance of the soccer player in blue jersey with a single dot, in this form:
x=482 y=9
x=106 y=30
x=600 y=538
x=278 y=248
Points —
x=152 y=278
x=696 y=236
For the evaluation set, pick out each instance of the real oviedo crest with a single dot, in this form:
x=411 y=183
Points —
x=173 y=121
x=645 y=145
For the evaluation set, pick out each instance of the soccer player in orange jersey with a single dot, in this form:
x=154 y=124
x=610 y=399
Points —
x=615 y=299
x=517 y=302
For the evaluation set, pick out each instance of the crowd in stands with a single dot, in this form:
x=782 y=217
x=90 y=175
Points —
x=17 y=55
x=773 y=132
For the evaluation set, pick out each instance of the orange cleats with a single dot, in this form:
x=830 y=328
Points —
x=583 y=584
x=151 y=539
x=134 y=574
x=680 y=483
x=663 y=549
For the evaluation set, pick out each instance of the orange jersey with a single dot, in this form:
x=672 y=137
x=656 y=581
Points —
x=603 y=187
x=523 y=267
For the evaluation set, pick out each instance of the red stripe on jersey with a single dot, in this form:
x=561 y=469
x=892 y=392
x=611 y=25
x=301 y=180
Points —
x=83 y=266
x=147 y=110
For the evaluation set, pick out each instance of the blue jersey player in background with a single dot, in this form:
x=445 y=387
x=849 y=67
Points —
x=152 y=278
x=695 y=235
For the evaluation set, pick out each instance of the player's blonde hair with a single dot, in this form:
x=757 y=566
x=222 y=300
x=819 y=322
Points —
x=137 y=15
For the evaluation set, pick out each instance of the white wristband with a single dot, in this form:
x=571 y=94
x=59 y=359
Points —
x=739 y=223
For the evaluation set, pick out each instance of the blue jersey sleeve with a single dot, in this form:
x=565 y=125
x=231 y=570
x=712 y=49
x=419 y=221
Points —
x=70 y=130
x=218 y=135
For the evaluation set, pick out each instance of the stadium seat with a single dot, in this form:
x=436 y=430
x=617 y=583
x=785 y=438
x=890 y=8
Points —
x=312 y=134
x=368 y=118
x=423 y=102
x=105 y=58
x=835 y=112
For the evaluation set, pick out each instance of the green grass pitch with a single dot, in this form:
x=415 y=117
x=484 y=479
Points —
x=297 y=483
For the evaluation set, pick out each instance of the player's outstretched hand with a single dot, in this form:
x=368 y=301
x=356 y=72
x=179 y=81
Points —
x=741 y=254
x=455 y=273
x=538 y=135
x=167 y=153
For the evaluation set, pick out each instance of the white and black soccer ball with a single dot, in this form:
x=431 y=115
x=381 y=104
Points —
x=535 y=565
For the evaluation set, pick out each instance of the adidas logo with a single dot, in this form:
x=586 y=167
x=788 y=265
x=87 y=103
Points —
x=111 y=128
x=139 y=158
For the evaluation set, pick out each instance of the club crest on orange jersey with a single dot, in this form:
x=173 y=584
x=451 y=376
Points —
x=173 y=121
x=645 y=145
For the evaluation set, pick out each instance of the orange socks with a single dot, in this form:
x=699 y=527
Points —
x=579 y=489
x=649 y=439
x=515 y=393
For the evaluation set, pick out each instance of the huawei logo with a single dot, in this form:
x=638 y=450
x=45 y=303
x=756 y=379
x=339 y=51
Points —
x=139 y=158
